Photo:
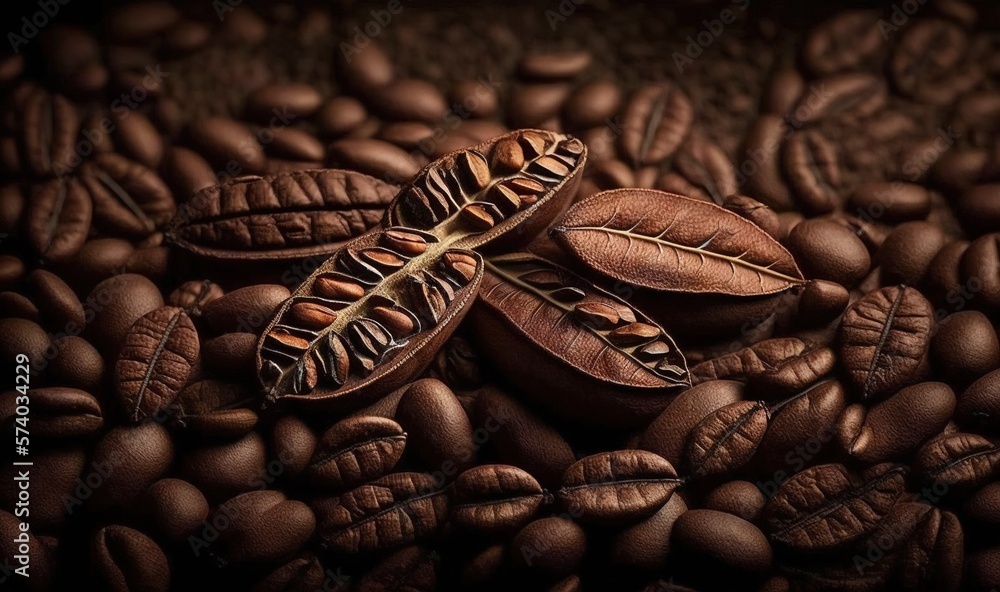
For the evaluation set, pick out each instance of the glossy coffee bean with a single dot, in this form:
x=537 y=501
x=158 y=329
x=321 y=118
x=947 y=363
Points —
x=739 y=498
x=723 y=541
x=440 y=433
x=827 y=251
x=966 y=347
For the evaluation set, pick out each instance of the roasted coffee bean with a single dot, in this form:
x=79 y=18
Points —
x=853 y=95
x=263 y=527
x=655 y=121
x=138 y=138
x=896 y=427
x=826 y=250
x=591 y=104
x=959 y=461
x=521 y=438
x=58 y=412
x=223 y=470
x=372 y=157
x=975 y=269
x=726 y=439
x=908 y=251
x=367 y=518
x=133 y=458
x=174 y=509
x=246 y=309
x=937 y=75
x=813 y=169
x=782 y=92
x=844 y=42
x=800 y=424
x=754 y=211
x=57 y=219
x=618 y=487
x=231 y=354
x=441 y=434
x=828 y=506
x=186 y=173
x=891 y=202
x=125 y=559
x=354 y=451
x=495 y=499
x=965 y=347
x=772 y=368
x=979 y=405
x=551 y=547
x=885 y=340
x=118 y=302
x=410 y=568
x=19 y=307
x=822 y=301
x=699 y=531
x=739 y=498
x=156 y=358
x=292 y=100
x=304 y=574
x=58 y=305
x=214 y=409
x=25 y=338
x=141 y=20
x=129 y=199
x=760 y=159
x=227 y=144
x=49 y=124
x=77 y=364
x=194 y=296
x=647 y=544
x=977 y=208
x=668 y=434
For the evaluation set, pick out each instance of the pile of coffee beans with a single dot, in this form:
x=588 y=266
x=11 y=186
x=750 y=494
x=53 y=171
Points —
x=700 y=296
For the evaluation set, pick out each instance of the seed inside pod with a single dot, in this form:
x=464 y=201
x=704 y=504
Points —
x=533 y=144
x=369 y=338
x=633 y=334
x=404 y=241
x=460 y=266
x=334 y=359
x=478 y=216
x=282 y=338
x=474 y=170
x=310 y=315
x=304 y=376
x=382 y=259
x=350 y=262
x=441 y=284
x=652 y=351
x=572 y=146
x=418 y=207
x=665 y=367
x=440 y=187
x=597 y=315
x=427 y=299
x=337 y=288
x=549 y=168
x=399 y=321
x=504 y=198
x=507 y=156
